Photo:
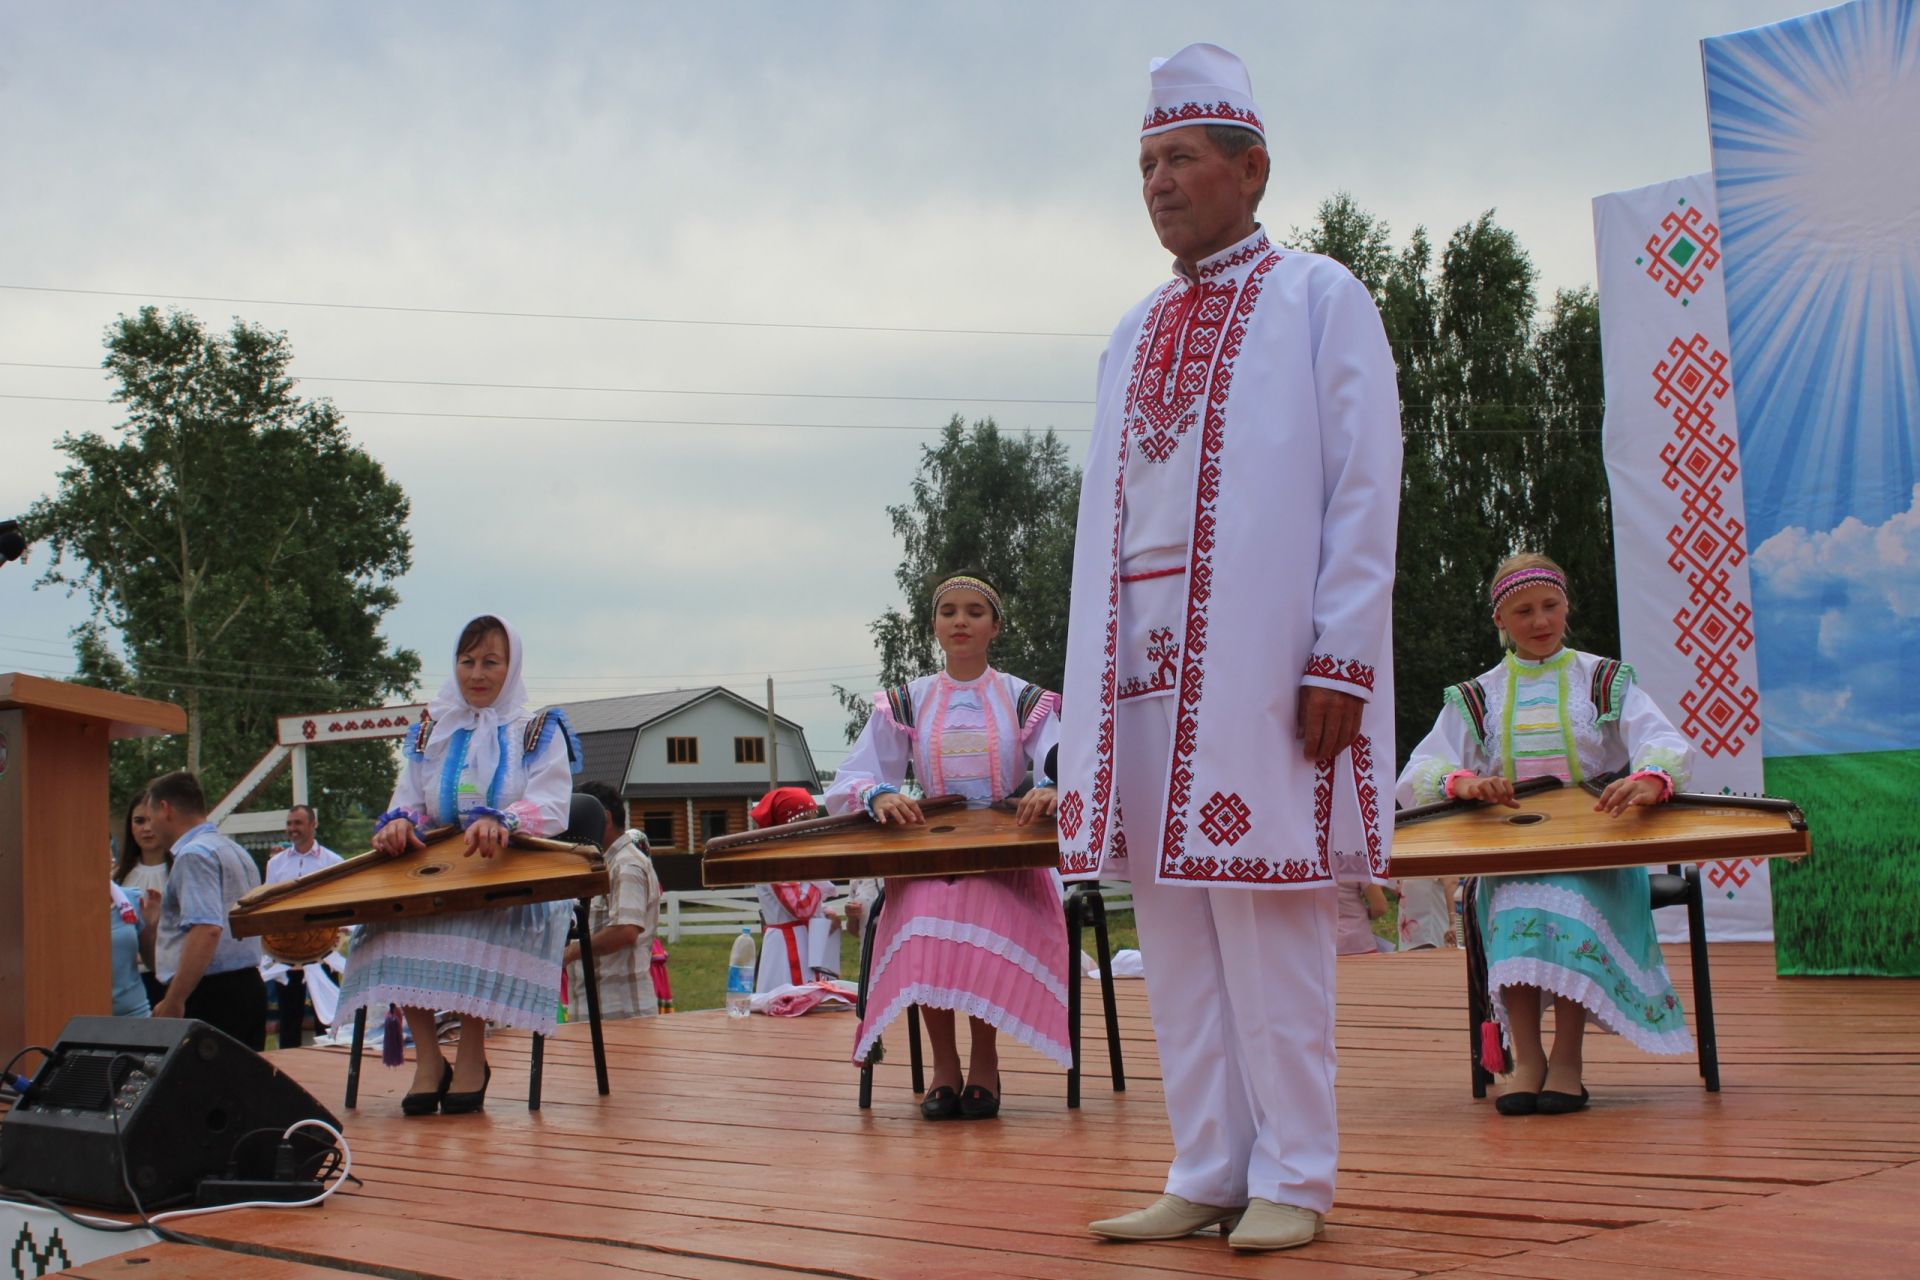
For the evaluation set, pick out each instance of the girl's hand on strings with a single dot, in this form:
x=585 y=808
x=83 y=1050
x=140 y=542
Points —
x=1623 y=793
x=485 y=837
x=1041 y=802
x=897 y=808
x=1495 y=790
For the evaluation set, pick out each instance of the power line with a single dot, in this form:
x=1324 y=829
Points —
x=557 y=315
x=637 y=391
x=568 y=418
x=1464 y=406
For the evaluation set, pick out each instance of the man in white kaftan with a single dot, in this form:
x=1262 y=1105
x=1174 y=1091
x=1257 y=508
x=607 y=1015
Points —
x=1228 y=737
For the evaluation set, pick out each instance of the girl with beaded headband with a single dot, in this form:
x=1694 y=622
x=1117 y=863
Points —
x=988 y=945
x=1584 y=939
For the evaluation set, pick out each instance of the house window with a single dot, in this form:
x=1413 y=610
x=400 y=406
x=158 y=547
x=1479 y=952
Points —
x=658 y=827
x=749 y=750
x=683 y=751
x=713 y=824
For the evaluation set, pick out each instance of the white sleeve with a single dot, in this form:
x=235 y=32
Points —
x=410 y=790
x=1651 y=740
x=542 y=807
x=1448 y=747
x=880 y=755
x=1359 y=404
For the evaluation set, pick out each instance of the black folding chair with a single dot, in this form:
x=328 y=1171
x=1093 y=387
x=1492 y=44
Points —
x=1083 y=906
x=1677 y=886
x=586 y=823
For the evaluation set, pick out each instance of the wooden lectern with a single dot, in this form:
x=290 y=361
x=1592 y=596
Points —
x=55 y=855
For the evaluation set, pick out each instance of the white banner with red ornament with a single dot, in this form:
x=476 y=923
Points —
x=348 y=726
x=1680 y=548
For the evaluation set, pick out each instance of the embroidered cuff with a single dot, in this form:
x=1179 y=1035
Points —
x=414 y=816
x=1447 y=786
x=505 y=817
x=1653 y=771
x=1345 y=675
x=873 y=793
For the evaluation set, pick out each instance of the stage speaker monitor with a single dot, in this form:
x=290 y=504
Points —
x=182 y=1095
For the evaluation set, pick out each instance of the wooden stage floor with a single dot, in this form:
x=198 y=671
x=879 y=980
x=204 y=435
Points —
x=734 y=1151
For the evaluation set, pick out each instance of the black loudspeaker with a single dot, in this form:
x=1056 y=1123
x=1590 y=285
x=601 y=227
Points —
x=172 y=1097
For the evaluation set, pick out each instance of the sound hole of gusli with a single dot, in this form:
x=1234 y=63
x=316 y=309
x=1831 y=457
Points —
x=941 y=831
x=1527 y=819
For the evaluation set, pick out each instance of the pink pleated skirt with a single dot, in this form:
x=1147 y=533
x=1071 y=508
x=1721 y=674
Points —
x=993 y=947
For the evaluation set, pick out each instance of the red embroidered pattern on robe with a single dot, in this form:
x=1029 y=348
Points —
x=1164 y=652
x=1184 y=338
x=1325 y=666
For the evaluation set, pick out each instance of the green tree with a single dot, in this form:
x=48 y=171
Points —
x=239 y=546
x=1501 y=419
x=996 y=504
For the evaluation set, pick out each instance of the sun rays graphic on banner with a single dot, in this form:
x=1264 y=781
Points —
x=1816 y=146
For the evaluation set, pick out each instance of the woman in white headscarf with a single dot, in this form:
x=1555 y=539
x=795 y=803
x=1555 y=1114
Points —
x=469 y=762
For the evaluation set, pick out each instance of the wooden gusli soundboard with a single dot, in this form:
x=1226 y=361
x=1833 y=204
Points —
x=435 y=880
x=1556 y=829
x=954 y=840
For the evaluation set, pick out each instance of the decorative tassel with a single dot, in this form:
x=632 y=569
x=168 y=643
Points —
x=1492 y=1056
x=393 y=1051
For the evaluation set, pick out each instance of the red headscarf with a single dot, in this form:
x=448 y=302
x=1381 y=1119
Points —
x=783 y=805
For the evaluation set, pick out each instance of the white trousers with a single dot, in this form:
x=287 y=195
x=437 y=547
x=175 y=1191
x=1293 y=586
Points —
x=1241 y=986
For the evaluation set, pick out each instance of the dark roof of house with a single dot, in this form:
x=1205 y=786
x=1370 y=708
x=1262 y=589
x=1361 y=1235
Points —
x=605 y=755
x=637 y=710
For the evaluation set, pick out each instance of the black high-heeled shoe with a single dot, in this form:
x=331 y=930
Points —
x=940 y=1104
x=459 y=1104
x=427 y=1102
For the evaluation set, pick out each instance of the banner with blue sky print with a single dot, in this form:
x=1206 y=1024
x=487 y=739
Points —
x=1815 y=126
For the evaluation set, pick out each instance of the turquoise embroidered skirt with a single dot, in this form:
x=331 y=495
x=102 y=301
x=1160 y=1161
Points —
x=1585 y=936
x=502 y=965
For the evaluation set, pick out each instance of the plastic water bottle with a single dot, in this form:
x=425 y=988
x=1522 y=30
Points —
x=740 y=974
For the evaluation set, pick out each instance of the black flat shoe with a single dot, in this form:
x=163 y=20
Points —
x=1554 y=1103
x=459 y=1104
x=425 y=1104
x=977 y=1104
x=1518 y=1104
x=940 y=1104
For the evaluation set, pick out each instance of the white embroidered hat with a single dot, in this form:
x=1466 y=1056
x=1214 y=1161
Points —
x=1201 y=84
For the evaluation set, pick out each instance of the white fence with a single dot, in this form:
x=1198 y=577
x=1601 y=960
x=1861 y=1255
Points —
x=708 y=912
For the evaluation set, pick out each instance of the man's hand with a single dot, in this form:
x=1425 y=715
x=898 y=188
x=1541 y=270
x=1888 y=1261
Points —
x=1328 y=721
x=170 y=1007
x=1038 y=803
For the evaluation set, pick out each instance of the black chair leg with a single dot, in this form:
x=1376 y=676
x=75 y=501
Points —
x=353 y=1060
x=1109 y=1004
x=1075 y=905
x=539 y=1061
x=583 y=920
x=1702 y=982
x=860 y=999
x=1478 y=1010
x=913 y=1049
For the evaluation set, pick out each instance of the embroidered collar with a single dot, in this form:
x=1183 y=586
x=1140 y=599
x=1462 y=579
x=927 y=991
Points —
x=1526 y=666
x=1234 y=256
x=966 y=684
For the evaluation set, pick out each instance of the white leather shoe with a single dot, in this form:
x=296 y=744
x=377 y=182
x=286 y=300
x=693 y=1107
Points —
x=1267 y=1225
x=1168 y=1218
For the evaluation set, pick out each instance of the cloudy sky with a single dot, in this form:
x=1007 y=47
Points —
x=755 y=254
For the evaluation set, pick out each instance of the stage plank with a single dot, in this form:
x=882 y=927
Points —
x=732 y=1149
